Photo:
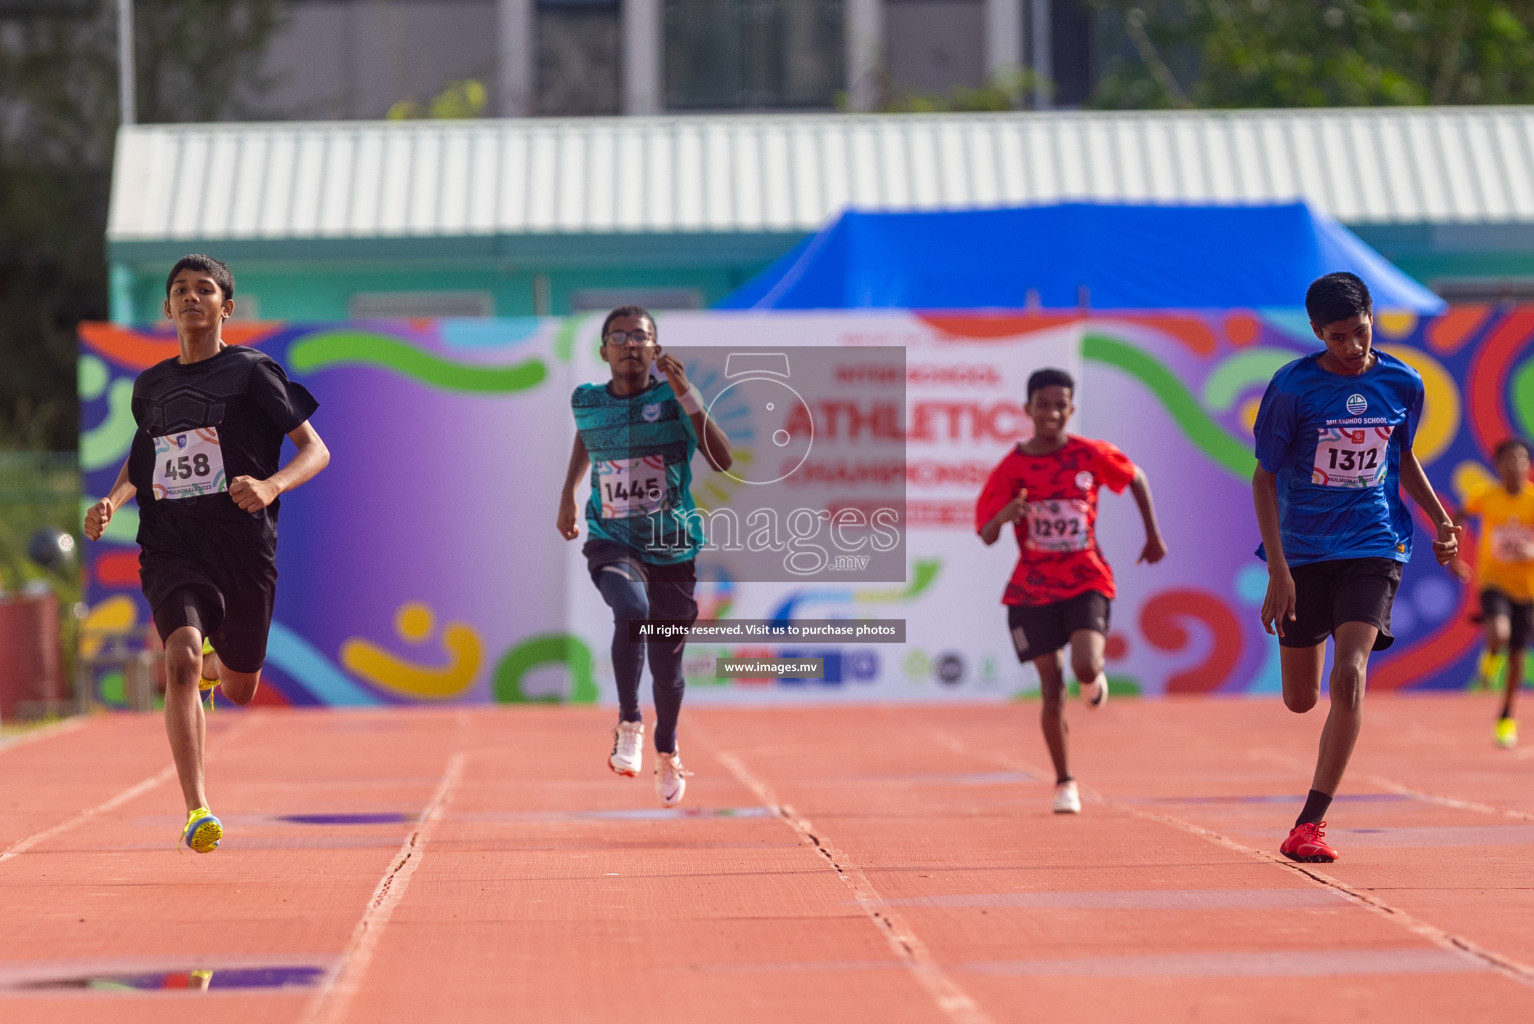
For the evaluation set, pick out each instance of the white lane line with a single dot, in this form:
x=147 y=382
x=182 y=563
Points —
x=332 y=1002
x=1517 y=971
x=956 y=1004
x=1446 y=801
x=21 y=846
x=137 y=789
x=1401 y=789
x=43 y=732
x=1507 y=966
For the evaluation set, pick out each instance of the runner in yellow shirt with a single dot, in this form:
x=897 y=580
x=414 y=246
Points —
x=1506 y=569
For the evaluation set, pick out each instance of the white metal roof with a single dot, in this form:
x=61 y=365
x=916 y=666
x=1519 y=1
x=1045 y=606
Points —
x=752 y=173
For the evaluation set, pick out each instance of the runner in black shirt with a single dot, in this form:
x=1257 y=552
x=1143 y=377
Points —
x=204 y=467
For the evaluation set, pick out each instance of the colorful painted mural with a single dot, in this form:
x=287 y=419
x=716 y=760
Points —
x=410 y=572
x=423 y=565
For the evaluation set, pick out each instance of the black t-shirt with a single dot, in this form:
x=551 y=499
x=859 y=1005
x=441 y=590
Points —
x=200 y=425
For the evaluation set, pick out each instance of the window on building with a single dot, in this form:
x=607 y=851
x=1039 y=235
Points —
x=580 y=58
x=754 y=54
x=600 y=300
x=409 y=305
x=933 y=47
x=1073 y=51
x=1485 y=289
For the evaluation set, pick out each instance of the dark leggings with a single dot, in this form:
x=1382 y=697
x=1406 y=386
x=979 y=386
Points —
x=631 y=597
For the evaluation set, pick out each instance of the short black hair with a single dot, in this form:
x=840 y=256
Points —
x=215 y=269
x=630 y=311
x=1338 y=296
x=1047 y=378
x=1507 y=444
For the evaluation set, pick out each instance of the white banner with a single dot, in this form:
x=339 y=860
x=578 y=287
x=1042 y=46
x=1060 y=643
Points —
x=964 y=409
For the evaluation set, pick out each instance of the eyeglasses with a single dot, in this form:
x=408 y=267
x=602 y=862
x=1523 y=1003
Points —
x=617 y=339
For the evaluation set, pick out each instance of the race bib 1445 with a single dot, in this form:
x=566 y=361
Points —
x=188 y=464
x=1351 y=457
x=631 y=487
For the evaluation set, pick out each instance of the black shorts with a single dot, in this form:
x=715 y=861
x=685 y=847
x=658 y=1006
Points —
x=230 y=606
x=669 y=586
x=1042 y=629
x=1327 y=594
x=1520 y=616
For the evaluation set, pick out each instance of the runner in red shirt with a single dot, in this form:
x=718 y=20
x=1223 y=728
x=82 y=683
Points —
x=1059 y=593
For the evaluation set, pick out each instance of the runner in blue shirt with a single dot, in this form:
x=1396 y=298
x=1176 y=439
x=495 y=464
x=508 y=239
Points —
x=637 y=435
x=1334 y=451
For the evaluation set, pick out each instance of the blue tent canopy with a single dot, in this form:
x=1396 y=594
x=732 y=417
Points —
x=1112 y=255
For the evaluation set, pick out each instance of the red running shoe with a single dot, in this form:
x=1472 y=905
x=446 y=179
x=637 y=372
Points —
x=1306 y=845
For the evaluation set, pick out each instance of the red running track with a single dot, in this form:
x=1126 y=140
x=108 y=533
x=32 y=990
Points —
x=882 y=864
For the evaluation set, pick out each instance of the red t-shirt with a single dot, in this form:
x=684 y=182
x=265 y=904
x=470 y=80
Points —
x=1057 y=540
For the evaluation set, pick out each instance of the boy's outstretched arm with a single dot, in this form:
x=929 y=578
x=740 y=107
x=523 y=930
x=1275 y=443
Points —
x=1278 y=603
x=715 y=443
x=1011 y=512
x=252 y=495
x=100 y=514
x=1415 y=483
x=1457 y=565
x=1155 y=547
x=580 y=461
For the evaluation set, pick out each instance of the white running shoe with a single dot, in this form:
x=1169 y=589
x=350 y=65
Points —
x=670 y=778
x=628 y=749
x=1067 y=800
x=1095 y=693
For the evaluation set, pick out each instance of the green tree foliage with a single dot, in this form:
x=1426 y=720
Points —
x=197 y=60
x=457 y=100
x=1310 y=53
x=1007 y=91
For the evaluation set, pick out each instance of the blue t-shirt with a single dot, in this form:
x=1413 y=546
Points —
x=641 y=449
x=1334 y=442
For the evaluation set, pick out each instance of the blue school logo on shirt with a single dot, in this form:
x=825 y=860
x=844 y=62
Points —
x=650 y=412
x=1357 y=404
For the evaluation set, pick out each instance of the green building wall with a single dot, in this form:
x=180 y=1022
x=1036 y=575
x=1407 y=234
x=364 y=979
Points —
x=526 y=276
x=538 y=275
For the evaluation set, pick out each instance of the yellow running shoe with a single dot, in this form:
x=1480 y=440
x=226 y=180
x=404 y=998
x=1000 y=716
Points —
x=206 y=684
x=1489 y=671
x=1507 y=733
x=203 y=831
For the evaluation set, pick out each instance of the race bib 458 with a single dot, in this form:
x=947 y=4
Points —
x=188 y=464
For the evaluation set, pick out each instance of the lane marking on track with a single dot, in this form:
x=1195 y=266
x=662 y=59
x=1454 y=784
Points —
x=43 y=732
x=1519 y=972
x=1506 y=966
x=138 y=789
x=332 y=1002
x=1446 y=801
x=1402 y=789
x=956 y=1004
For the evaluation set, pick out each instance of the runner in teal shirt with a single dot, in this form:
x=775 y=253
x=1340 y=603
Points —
x=635 y=439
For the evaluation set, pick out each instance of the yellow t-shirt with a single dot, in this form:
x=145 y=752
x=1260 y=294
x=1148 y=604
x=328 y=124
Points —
x=1507 y=539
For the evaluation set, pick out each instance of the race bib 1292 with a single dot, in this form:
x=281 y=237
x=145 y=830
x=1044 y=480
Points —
x=188 y=464
x=1058 y=525
x=1351 y=457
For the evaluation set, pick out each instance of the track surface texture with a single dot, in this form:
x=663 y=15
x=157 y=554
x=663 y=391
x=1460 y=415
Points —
x=851 y=863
